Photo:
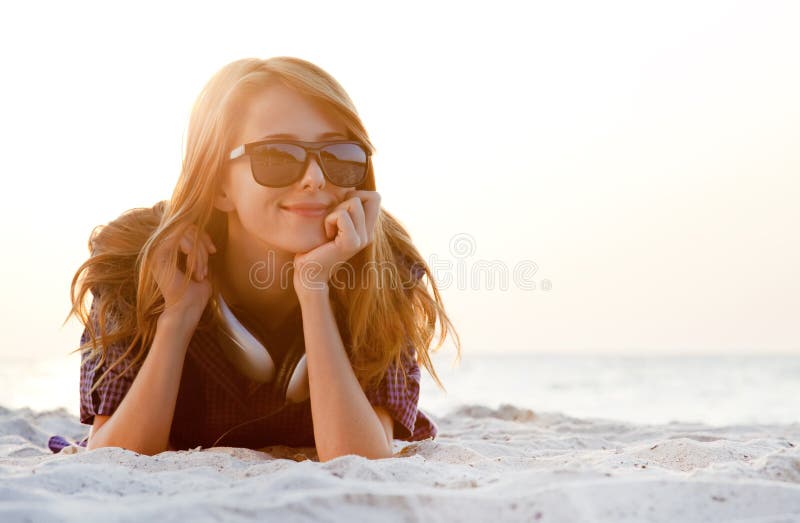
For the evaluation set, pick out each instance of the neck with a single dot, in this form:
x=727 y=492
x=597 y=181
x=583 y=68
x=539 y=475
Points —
x=257 y=277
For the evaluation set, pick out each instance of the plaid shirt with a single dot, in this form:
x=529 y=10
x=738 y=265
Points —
x=214 y=397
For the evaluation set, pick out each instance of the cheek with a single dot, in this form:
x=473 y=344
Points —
x=341 y=192
x=256 y=205
x=251 y=196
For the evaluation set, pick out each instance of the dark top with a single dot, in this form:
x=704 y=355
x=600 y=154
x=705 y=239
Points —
x=214 y=397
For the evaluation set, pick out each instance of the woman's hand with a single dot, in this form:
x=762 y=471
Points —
x=193 y=301
x=350 y=228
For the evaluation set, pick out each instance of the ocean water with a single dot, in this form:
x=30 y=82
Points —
x=711 y=389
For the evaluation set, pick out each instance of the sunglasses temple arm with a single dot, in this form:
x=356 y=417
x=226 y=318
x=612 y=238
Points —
x=237 y=152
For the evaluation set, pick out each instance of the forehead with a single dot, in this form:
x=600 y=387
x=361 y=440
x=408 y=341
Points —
x=279 y=110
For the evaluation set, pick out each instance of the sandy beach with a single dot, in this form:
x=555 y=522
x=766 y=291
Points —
x=504 y=464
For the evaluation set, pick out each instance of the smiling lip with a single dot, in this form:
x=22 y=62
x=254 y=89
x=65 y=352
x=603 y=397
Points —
x=307 y=209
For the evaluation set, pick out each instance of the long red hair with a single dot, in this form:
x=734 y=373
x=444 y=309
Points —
x=381 y=319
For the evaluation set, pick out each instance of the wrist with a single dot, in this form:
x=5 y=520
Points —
x=182 y=320
x=313 y=292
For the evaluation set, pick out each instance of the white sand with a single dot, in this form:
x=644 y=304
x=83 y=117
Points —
x=507 y=464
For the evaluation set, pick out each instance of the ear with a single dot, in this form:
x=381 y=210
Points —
x=222 y=201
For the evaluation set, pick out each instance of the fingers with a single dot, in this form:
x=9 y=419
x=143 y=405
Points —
x=354 y=218
x=201 y=255
x=341 y=222
x=196 y=253
x=356 y=211
x=196 y=246
x=186 y=245
x=353 y=207
x=371 y=205
x=330 y=224
x=211 y=248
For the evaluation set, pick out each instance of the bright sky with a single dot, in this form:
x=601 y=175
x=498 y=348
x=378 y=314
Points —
x=644 y=156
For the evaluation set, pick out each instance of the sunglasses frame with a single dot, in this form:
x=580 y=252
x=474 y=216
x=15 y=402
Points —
x=312 y=150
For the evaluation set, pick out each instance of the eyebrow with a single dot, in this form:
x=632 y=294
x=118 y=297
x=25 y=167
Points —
x=289 y=136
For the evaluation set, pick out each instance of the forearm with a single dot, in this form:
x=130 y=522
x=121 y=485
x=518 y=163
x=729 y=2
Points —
x=343 y=419
x=143 y=420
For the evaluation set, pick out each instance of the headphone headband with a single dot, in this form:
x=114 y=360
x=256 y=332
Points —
x=251 y=357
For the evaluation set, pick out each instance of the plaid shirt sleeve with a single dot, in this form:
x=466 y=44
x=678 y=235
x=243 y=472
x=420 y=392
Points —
x=410 y=423
x=106 y=398
x=400 y=401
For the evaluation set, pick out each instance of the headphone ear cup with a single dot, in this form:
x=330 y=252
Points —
x=242 y=348
x=298 y=389
x=291 y=382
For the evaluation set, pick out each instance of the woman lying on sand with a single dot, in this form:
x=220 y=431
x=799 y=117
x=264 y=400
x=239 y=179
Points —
x=270 y=300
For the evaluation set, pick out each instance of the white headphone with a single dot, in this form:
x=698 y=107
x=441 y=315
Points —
x=253 y=359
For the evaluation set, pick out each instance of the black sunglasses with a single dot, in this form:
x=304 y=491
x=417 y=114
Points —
x=278 y=163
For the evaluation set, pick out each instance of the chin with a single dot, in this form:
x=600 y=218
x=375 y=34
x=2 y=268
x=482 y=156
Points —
x=307 y=244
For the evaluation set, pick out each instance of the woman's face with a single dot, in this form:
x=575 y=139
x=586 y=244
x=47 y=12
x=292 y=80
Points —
x=256 y=213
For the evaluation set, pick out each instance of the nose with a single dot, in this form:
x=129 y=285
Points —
x=313 y=177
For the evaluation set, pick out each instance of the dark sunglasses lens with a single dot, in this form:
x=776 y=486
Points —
x=345 y=163
x=277 y=164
